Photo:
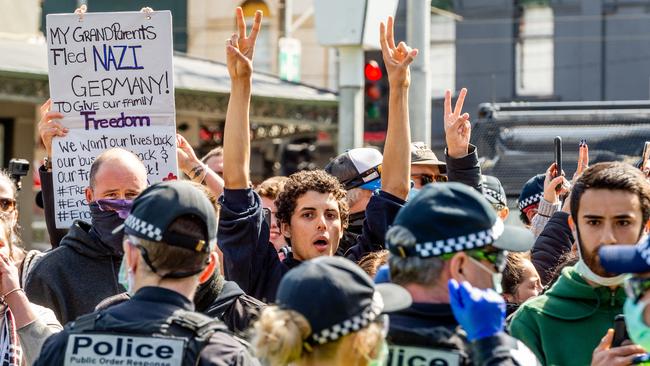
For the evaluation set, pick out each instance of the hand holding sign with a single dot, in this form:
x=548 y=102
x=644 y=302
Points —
x=458 y=129
x=240 y=49
x=48 y=126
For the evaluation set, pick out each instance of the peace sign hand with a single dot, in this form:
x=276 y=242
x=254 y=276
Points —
x=397 y=59
x=240 y=49
x=458 y=129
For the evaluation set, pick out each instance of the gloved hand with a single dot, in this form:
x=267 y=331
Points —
x=481 y=313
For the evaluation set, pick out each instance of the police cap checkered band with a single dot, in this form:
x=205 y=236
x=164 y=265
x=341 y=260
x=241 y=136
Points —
x=529 y=201
x=401 y=242
x=336 y=297
x=496 y=195
x=144 y=228
x=342 y=329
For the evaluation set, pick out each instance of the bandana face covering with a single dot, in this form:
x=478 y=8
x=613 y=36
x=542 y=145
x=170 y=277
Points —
x=106 y=216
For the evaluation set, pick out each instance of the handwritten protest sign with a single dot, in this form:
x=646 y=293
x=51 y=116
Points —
x=111 y=75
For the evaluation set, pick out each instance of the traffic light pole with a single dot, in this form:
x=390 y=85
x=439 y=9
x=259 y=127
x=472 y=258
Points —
x=351 y=83
x=418 y=35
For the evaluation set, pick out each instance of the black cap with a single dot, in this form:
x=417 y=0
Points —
x=532 y=192
x=451 y=217
x=337 y=297
x=357 y=168
x=493 y=190
x=156 y=208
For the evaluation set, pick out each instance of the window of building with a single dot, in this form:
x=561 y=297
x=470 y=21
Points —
x=442 y=66
x=534 y=52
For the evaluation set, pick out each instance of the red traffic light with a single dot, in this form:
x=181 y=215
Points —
x=372 y=71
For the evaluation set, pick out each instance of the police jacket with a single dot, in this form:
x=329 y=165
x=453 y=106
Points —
x=251 y=261
x=143 y=329
x=428 y=334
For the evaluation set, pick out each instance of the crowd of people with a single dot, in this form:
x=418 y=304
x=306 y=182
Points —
x=378 y=259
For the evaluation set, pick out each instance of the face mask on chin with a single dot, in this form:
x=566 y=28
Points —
x=106 y=216
x=588 y=274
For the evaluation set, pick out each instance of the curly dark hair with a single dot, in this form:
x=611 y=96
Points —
x=299 y=183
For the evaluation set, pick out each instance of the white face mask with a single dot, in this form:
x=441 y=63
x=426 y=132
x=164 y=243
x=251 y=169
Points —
x=496 y=276
x=583 y=270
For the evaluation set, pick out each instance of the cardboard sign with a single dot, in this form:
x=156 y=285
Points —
x=125 y=350
x=415 y=356
x=111 y=75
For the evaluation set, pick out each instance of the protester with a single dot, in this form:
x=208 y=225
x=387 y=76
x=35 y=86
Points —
x=610 y=205
x=448 y=231
x=24 y=326
x=425 y=166
x=520 y=281
x=73 y=278
x=495 y=194
x=26 y=260
x=169 y=238
x=359 y=171
x=49 y=127
x=214 y=160
x=269 y=190
x=312 y=207
x=328 y=313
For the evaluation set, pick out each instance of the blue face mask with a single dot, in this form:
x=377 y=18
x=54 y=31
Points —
x=638 y=331
x=106 y=216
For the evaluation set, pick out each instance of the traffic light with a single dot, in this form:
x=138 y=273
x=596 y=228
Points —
x=376 y=93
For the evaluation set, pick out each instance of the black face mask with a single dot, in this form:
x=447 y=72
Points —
x=104 y=222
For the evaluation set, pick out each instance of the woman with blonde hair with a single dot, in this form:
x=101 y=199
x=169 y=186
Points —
x=329 y=312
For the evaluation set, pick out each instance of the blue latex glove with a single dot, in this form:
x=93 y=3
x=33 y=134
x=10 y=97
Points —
x=383 y=274
x=482 y=313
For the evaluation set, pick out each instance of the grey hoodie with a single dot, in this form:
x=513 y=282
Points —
x=73 y=278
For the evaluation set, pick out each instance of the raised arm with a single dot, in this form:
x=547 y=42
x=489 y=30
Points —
x=236 y=146
x=198 y=172
x=397 y=154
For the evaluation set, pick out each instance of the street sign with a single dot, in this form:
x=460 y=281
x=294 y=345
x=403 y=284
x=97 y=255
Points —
x=290 y=51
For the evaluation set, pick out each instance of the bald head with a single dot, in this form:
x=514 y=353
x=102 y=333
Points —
x=116 y=174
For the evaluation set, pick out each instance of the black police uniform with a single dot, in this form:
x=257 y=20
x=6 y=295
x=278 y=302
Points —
x=428 y=334
x=157 y=326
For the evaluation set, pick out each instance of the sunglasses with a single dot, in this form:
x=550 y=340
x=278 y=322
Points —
x=496 y=257
x=429 y=178
x=636 y=287
x=7 y=204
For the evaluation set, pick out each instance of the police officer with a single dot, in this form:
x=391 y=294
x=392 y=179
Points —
x=449 y=231
x=168 y=244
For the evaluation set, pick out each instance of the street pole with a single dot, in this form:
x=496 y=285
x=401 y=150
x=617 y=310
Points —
x=350 y=98
x=418 y=35
x=288 y=18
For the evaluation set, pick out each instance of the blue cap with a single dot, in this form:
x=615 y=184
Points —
x=532 y=192
x=626 y=258
x=373 y=185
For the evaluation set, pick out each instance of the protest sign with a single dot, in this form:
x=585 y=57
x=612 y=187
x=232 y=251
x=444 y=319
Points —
x=111 y=76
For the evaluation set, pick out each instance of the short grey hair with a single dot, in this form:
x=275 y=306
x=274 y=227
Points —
x=354 y=195
x=415 y=270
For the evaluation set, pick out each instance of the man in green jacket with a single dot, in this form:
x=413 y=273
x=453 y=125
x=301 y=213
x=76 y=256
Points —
x=610 y=205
